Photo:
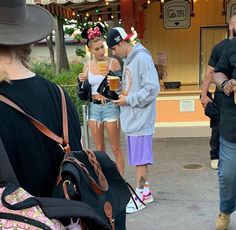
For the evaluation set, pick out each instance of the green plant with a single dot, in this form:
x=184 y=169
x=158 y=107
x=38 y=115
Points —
x=44 y=69
x=80 y=52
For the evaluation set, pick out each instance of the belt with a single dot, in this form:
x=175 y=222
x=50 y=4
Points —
x=100 y=101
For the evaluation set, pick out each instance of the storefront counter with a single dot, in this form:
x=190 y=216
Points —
x=180 y=113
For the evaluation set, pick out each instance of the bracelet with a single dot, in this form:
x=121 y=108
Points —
x=223 y=84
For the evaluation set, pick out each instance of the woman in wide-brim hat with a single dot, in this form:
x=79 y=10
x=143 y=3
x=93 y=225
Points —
x=34 y=157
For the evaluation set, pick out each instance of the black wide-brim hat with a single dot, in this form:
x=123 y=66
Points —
x=22 y=24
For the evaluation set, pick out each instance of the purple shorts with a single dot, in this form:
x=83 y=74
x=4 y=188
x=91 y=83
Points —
x=140 y=150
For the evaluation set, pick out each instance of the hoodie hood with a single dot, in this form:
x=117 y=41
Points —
x=136 y=49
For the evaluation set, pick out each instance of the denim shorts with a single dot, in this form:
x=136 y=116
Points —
x=108 y=112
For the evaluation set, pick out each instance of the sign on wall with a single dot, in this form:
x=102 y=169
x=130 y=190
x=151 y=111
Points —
x=230 y=9
x=177 y=14
x=187 y=105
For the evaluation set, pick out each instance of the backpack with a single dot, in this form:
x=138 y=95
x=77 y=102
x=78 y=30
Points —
x=93 y=178
x=20 y=210
x=110 y=192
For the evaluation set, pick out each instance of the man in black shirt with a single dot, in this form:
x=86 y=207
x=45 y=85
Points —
x=214 y=120
x=224 y=78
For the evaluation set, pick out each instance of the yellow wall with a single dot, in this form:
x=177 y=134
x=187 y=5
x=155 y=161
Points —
x=181 y=45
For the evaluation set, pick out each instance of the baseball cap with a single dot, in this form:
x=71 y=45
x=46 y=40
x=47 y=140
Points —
x=115 y=35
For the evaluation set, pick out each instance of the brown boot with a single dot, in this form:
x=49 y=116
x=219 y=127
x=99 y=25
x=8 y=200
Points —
x=222 y=221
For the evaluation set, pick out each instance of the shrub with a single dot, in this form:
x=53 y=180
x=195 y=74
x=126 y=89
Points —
x=80 y=52
x=44 y=69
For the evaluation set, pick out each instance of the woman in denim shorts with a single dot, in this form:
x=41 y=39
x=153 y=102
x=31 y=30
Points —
x=103 y=114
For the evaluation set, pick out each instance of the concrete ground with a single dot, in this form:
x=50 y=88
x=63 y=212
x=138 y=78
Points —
x=185 y=199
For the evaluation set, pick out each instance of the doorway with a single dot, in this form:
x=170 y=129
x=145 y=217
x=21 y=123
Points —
x=209 y=37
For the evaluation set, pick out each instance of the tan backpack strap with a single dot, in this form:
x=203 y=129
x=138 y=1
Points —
x=101 y=186
x=65 y=143
x=62 y=141
x=108 y=212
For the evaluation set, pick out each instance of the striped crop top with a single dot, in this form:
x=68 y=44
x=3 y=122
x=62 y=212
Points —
x=95 y=79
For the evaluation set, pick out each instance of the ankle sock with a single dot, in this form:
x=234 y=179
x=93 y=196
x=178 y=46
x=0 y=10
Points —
x=146 y=189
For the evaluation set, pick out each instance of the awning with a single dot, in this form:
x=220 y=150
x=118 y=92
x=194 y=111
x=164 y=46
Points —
x=46 y=2
x=78 y=9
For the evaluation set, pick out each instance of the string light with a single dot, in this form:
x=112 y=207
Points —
x=97 y=10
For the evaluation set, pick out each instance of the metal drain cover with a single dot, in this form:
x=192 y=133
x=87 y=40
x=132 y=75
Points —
x=192 y=166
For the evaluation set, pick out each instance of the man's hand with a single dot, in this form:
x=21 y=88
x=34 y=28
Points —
x=229 y=87
x=204 y=100
x=121 y=101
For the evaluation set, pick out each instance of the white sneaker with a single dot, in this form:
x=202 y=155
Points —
x=131 y=208
x=148 y=198
x=214 y=164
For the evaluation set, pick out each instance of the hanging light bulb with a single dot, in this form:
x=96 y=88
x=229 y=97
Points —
x=148 y=2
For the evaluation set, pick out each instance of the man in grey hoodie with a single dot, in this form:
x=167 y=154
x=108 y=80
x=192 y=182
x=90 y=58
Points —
x=140 y=87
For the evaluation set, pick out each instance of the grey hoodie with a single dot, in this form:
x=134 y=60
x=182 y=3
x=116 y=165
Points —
x=141 y=84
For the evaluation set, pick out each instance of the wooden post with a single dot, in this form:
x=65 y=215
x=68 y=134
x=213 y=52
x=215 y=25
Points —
x=132 y=15
x=61 y=55
x=127 y=14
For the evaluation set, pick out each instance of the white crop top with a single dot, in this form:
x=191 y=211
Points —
x=95 y=79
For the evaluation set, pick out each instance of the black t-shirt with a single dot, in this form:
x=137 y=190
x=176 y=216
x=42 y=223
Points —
x=227 y=65
x=216 y=52
x=34 y=157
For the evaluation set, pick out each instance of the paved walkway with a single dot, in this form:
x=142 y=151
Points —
x=185 y=199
